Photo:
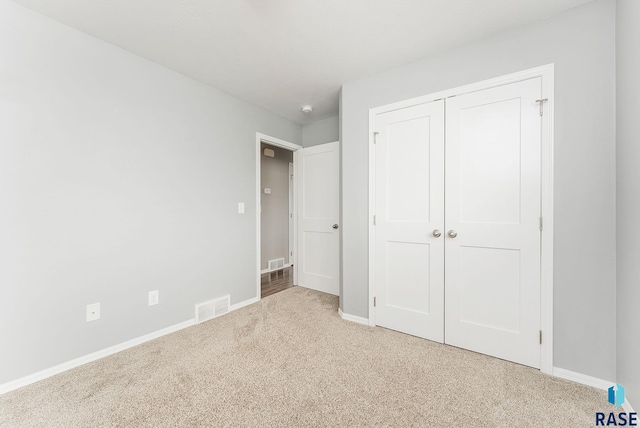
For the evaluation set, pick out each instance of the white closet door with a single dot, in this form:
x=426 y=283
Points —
x=493 y=210
x=409 y=197
x=318 y=178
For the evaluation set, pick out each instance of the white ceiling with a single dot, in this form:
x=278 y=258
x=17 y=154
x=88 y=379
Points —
x=283 y=54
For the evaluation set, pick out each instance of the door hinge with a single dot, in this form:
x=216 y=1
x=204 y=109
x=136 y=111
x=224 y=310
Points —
x=374 y=302
x=541 y=337
x=375 y=137
x=541 y=102
x=374 y=220
x=541 y=224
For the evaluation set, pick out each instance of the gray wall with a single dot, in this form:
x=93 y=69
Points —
x=274 y=218
x=581 y=44
x=628 y=197
x=117 y=177
x=320 y=132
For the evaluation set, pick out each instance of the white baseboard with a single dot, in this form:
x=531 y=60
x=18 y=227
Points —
x=627 y=407
x=353 y=318
x=244 y=303
x=581 y=378
x=589 y=381
x=35 y=377
x=288 y=265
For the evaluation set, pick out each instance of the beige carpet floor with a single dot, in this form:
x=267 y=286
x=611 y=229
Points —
x=290 y=360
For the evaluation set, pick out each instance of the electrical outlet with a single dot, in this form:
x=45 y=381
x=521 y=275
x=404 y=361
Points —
x=154 y=298
x=93 y=312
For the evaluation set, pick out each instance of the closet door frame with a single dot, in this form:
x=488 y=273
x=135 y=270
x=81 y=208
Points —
x=546 y=73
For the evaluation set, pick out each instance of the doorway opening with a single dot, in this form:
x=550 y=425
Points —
x=276 y=219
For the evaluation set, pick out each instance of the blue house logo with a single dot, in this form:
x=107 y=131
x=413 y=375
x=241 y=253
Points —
x=616 y=395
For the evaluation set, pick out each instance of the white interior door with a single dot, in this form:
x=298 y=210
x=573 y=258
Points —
x=291 y=210
x=492 y=247
x=317 y=179
x=409 y=201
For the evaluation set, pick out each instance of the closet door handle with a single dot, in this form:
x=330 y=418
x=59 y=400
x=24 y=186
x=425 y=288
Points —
x=436 y=233
x=452 y=234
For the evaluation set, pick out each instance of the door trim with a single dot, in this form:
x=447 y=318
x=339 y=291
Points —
x=546 y=73
x=292 y=202
x=263 y=138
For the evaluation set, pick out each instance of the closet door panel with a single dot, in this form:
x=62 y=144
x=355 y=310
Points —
x=409 y=201
x=492 y=248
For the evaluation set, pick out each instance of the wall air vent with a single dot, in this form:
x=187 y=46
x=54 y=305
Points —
x=213 y=308
x=276 y=264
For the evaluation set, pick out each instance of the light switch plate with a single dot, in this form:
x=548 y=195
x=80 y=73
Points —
x=240 y=207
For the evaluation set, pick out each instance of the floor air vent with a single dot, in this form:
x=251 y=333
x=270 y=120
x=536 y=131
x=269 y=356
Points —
x=276 y=264
x=213 y=308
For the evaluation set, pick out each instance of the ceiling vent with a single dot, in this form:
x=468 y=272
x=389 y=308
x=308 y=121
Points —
x=213 y=308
